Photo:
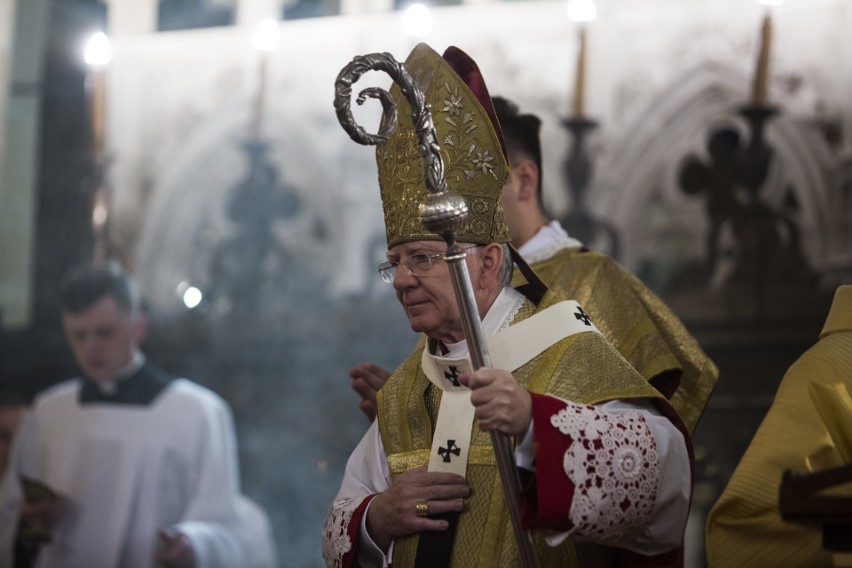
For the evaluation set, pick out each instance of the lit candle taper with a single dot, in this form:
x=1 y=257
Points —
x=761 y=71
x=265 y=39
x=581 y=12
x=97 y=55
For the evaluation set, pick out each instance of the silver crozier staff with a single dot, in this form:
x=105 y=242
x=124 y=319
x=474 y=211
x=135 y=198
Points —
x=443 y=213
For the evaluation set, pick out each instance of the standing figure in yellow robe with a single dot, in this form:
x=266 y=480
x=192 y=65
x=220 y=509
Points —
x=808 y=428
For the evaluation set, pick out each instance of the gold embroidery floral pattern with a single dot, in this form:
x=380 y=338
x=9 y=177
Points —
x=474 y=165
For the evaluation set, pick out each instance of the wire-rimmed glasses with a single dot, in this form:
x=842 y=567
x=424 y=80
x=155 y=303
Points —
x=416 y=264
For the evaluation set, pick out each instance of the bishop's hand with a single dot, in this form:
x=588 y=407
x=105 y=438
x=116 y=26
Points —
x=501 y=403
x=395 y=512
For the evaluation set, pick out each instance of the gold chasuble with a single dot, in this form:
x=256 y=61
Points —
x=808 y=428
x=637 y=323
x=582 y=368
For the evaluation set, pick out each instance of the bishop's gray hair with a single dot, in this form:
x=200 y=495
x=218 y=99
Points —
x=507 y=267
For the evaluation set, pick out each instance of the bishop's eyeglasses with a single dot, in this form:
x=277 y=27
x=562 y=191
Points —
x=416 y=264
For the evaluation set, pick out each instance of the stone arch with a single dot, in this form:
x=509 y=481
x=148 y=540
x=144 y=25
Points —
x=673 y=123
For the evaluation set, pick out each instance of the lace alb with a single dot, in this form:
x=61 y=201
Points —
x=336 y=543
x=614 y=465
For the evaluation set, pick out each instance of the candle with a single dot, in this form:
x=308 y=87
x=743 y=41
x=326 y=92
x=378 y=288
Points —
x=581 y=12
x=260 y=98
x=98 y=102
x=761 y=71
x=265 y=39
x=97 y=55
x=580 y=75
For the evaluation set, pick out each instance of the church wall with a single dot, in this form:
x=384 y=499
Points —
x=291 y=297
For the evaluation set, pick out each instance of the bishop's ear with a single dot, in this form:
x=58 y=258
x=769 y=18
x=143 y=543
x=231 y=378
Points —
x=491 y=256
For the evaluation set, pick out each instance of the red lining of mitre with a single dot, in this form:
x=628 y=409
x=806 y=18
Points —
x=468 y=71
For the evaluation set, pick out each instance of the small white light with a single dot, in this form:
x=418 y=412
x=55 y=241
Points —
x=417 y=20
x=266 y=36
x=580 y=11
x=192 y=297
x=98 y=51
x=99 y=215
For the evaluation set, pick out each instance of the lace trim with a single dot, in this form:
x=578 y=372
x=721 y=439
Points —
x=614 y=465
x=335 y=541
x=510 y=317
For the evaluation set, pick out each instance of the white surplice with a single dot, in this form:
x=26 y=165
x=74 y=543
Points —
x=128 y=471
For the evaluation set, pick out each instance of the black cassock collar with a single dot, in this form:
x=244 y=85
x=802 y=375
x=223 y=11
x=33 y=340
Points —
x=139 y=389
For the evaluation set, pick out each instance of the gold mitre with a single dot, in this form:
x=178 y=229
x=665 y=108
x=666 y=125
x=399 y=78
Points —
x=472 y=149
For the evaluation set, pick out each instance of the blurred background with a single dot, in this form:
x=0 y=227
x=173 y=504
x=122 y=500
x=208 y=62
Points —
x=705 y=144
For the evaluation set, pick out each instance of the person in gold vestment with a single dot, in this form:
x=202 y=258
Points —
x=605 y=458
x=634 y=319
x=808 y=428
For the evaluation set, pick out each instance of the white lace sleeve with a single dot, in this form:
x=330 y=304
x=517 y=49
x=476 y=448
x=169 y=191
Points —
x=366 y=474
x=631 y=475
x=336 y=542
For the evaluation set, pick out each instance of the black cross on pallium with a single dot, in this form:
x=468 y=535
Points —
x=583 y=316
x=452 y=376
x=451 y=448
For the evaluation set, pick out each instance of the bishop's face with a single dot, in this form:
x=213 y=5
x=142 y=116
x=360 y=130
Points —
x=103 y=338
x=427 y=295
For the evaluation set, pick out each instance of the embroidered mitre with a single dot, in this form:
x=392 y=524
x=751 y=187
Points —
x=471 y=146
